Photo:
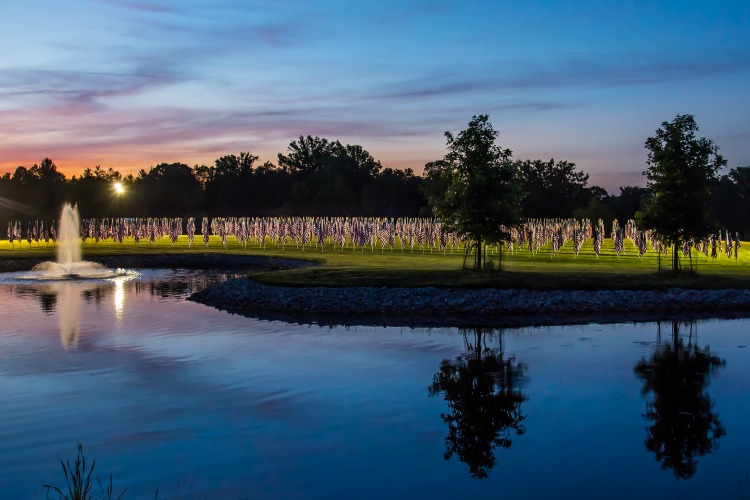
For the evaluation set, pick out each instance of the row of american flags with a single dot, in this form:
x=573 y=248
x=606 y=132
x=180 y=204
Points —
x=338 y=232
x=359 y=233
x=724 y=242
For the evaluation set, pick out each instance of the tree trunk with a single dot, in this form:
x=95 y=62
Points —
x=658 y=332
x=658 y=259
x=478 y=260
x=500 y=259
x=675 y=258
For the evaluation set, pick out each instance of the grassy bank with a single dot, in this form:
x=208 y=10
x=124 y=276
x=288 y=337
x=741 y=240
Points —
x=368 y=267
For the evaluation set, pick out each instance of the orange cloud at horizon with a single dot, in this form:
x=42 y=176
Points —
x=132 y=162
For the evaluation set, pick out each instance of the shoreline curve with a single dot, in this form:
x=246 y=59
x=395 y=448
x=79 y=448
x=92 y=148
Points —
x=427 y=307
x=424 y=307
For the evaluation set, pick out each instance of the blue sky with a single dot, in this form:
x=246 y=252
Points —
x=128 y=84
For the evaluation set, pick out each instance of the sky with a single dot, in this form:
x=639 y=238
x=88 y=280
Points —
x=131 y=84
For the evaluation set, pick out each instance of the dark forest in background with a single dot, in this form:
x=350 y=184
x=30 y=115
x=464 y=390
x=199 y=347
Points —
x=317 y=177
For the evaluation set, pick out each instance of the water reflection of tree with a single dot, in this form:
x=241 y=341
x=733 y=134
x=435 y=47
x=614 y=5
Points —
x=481 y=389
x=169 y=288
x=683 y=424
x=47 y=301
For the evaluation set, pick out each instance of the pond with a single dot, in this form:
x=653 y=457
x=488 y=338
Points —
x=174 y=396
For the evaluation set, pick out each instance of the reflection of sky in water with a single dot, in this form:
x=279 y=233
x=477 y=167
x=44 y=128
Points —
x=173 y=395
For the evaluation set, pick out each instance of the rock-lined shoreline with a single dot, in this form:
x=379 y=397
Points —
x=446 y=307
x=424 y=306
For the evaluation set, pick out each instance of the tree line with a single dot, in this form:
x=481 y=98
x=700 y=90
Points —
x=318 y=177
x=479 y=192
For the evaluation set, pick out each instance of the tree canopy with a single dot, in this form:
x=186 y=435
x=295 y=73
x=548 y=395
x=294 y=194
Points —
x=476 y=187
x=552 y=189
x=682 y=169
x=476 y=181
x=345 y=181
x=730 y=199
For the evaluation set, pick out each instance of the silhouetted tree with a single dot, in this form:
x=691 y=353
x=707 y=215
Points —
x=234 y=167
x=681 y=171
x=630 y=200
x=168 y=189
x=683 y=425
x=475 y=187
x=597 y=208
x=228 y=184
x=269 y=191
x=306 y=154
x=34 y=193
x=329 y=178
x=730 y=200
x=14 y=196
x=397 y=193
x=94 y=194
x=552 y=189
x=204 y=174
x=484 y=402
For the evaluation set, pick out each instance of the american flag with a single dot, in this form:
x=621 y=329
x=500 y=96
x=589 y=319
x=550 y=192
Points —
x=729 y=245
x=597 y=242
x=686 y=247
x=736 y=244
x=712 y=240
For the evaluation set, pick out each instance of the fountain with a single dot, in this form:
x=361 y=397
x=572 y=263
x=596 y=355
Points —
x=69 y=264
x=69 y=277
x=69 y=246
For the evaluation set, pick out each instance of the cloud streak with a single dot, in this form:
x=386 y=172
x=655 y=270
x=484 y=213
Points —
x=573 y=73
x=145 y=81
x=76 y=91
x=150 y=7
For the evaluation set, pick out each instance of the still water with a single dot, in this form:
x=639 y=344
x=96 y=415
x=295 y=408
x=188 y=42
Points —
x=174 y=396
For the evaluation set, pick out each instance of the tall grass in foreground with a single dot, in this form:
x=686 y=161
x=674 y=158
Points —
x=78 y=480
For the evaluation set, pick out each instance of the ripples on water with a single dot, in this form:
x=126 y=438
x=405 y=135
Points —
x=171 y=395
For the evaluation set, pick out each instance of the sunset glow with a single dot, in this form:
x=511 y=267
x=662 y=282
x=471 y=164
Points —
x=128 y=85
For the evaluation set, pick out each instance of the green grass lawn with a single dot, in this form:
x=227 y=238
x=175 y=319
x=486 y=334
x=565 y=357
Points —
x=365 y=267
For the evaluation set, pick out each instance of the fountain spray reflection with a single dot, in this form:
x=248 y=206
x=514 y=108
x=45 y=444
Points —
x=66 y=299
x=69 y=311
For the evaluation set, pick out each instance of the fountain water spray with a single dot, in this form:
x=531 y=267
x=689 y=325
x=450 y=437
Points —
x=69 y=264
x=69 y=238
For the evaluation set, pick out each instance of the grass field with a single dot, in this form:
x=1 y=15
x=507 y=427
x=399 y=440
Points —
x=365 y=267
